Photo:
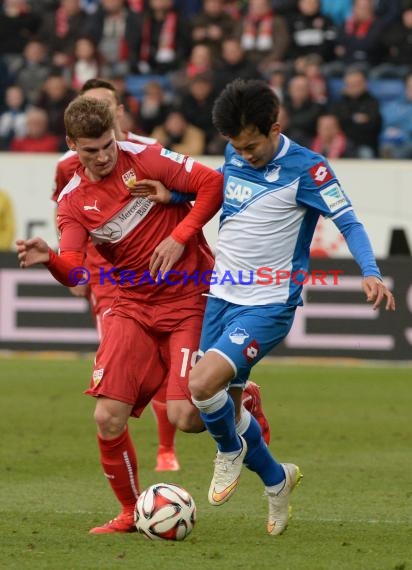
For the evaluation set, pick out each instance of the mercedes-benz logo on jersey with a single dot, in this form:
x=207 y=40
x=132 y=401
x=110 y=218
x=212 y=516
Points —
x=238 y=336
x=272 y=174
x=112 y=231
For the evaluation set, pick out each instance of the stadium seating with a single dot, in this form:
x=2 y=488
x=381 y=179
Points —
x=384 y=90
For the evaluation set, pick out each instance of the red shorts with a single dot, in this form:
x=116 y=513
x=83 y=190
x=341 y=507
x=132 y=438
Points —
x=145 y=346
x=99 y=306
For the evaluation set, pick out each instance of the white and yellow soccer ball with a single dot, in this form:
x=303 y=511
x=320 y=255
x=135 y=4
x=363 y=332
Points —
x=165 y=511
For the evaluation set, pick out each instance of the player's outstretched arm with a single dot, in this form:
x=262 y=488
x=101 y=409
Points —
x=376 y=292
x=32 y=251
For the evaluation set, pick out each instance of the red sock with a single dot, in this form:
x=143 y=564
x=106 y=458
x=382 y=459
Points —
x=165 y=430
x=119 y=462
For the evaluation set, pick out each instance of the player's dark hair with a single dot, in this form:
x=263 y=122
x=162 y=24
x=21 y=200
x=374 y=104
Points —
x=245 y=104
x=87 y=118
x=98 y=83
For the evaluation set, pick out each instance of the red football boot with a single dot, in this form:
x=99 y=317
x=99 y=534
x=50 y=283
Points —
x=166 y=460
x=122 y=523
x=253 y=403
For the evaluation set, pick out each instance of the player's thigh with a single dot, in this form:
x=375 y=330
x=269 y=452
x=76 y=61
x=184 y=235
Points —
x=184 y=415
x=180 y=350
x=213 y=322
x=127 y=366
x=250 y=333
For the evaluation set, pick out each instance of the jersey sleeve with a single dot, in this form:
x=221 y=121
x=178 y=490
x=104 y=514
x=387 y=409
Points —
x=358 y=242
x=66 y=267
x=320 y=189
x=72 y=235
x=59 y=182
x=183 y=174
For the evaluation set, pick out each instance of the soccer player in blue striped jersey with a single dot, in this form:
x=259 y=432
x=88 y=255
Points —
x=274 y=192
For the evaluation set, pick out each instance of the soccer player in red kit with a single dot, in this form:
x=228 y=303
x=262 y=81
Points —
x=101 y=296
x=153 y=326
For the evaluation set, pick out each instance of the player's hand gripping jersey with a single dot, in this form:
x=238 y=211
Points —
x=267 y=223
x=126 y=230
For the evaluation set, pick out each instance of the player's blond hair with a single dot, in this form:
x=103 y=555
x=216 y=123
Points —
x=87 y=118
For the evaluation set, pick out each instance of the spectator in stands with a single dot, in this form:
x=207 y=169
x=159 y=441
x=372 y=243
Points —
x=337 y=10
x=34 y=69
x=387 y=11
x=311 y=31
x=302 y=111
x=311 y=66
x=61 y=28
x=396 y=137
x=18 y=24
x=179 y=135
x=188 y=8
x=197 y=104
x=212 y=25
x=126 y=98
x=277 y=79
x=38 y=137
x=159 y=39
x=86 y=63
x=13 y=117
x=200 y=61
x=397 y=40
x=5 y=80
x=359 y=114
x=263 y=34
x=112 y=25
x=330 y=140
x=359 y=38
x=285 y=7
x=233 y=64
x=154 y=107
x=54 y=98
x=91 y=6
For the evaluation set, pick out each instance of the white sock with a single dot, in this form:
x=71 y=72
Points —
x=276 y=489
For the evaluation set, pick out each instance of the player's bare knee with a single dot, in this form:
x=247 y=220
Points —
x=185 y=417
x=108 y=424
x=199 y=386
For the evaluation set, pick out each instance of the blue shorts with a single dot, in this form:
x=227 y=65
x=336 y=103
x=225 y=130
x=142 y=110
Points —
x=244 y=334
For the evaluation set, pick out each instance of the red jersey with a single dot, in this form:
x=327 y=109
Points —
x=66 y=167
x=126 y=229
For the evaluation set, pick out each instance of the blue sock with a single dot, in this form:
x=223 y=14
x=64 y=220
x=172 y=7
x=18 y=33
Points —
x=222 y=427
x=258 y=457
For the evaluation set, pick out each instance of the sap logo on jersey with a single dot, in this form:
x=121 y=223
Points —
x=237 y=191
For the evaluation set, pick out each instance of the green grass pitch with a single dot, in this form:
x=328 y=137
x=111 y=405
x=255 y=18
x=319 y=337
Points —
x=349 y=429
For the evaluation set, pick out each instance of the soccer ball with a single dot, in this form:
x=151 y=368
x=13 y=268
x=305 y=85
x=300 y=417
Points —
x=165 y=511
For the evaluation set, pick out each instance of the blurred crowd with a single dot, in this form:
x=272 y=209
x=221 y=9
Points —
x=329 y=61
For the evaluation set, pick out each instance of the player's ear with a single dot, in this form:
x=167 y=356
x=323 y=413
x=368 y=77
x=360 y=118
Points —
x=275 y=129
x=70 y=143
